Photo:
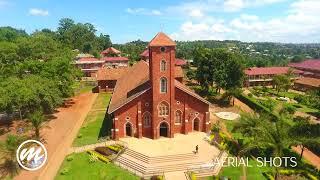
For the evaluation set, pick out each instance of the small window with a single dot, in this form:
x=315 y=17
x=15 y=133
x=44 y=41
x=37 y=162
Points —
x=178 y=117
x=127 y=118
x=147 y=119
x=163 y=109
x=162 y=49
x=163 y=65
x=163 y=85
x=178 y=102
x=146 y=104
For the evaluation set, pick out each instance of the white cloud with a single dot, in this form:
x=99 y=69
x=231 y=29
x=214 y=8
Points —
x=143 y=11
x=301 y=24
x=196 y=13
x=38 y=12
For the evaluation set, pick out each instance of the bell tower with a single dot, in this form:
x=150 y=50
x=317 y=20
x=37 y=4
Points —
x=162 y=77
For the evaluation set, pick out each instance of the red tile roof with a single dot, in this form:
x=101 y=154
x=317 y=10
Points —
x=311 y=64
x=308 y=81
x=145 y=53
x=88 y=59
x=110 y=59
x=180 y=62
x=268 y=70
x=110 y=50
x=110 y=74
x=161 y=39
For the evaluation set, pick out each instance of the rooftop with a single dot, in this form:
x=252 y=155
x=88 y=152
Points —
x=110 y=74
x=110 y=59
x=269 y=70
x=110 y=50
x=161 y=39
x=311 y=64
x=308 y=81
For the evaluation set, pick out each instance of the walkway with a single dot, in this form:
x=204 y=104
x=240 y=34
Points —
x=90 y=147
x=59 y=137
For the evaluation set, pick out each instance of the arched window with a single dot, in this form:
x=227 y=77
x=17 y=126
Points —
x=163 y=65
x=147 y=119
x=178 y=117
x=163 y=85
x=163 y=109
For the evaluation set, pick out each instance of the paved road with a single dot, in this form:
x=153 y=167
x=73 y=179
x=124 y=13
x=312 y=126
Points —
x=59 y=137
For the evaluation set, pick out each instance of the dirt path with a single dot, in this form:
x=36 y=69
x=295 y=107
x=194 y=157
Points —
x=309 y=156
x=60 y=135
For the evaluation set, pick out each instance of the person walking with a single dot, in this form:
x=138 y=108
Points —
x=197 y=149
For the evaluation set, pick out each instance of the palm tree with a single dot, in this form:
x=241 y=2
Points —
x=37 y=119
x=8 y=164
x=305 y=134
x=265 y=134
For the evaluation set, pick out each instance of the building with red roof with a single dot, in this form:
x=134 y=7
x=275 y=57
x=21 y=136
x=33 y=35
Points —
x=111 y=51
x=306 y=84
x=115 y=61
x=257 y=76
x=89 y=65
x=148 y=101
x=310 y=67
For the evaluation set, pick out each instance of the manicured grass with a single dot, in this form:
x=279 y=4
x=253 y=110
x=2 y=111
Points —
x=231 y=172
x=102 y=101
x=81 y=87
x=91 y=128
x=81 y=169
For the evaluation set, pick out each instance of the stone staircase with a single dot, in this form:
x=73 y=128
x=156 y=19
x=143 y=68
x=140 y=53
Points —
x=145 y=166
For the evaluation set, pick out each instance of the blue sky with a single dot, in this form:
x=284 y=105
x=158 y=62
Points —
x=127 y=20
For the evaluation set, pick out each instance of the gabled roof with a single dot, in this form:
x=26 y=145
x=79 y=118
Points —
x=311 y=64
x=180 y=62
x=189 y=91
x=269 y=70
x=110 y=59
x=314 y=82
x=161 y=39
x=145 y=53
x=135 y=76
x=111 y=50
x=110 y=74
x=89 y=60
x=134 y=82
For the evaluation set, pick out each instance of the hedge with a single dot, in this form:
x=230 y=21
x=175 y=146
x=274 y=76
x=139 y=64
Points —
x=100 y=156
x=256 y=106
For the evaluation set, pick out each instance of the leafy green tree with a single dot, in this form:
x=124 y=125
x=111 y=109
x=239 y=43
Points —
x=281 y=82
x=37 y=120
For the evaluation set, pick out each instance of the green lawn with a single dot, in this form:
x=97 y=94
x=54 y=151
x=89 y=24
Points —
x=81 y=87
x=233 y=173
x=102 y=101
x=93 y=127
x=81 y=169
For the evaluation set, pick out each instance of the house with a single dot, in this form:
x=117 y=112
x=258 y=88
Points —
x=306 y=84
x=148 y=101
x=114 y=62
x=110 y=52
x=89 y=66
x=257 y=76
x=311 y=67
x=145 y=56
x=107 y=78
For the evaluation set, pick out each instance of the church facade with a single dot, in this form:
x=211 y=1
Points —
x=149 y=101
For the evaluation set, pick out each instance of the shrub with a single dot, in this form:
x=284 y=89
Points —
x=287 y=108
x=65 y=171
x=297 y=105
x=99 y=156
x=116 y=147
x=70 y=158
x=80 y=135
x=250 y=95
x=93 y=158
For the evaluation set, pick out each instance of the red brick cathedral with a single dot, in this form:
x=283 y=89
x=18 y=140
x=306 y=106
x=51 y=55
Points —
x=148 y=101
